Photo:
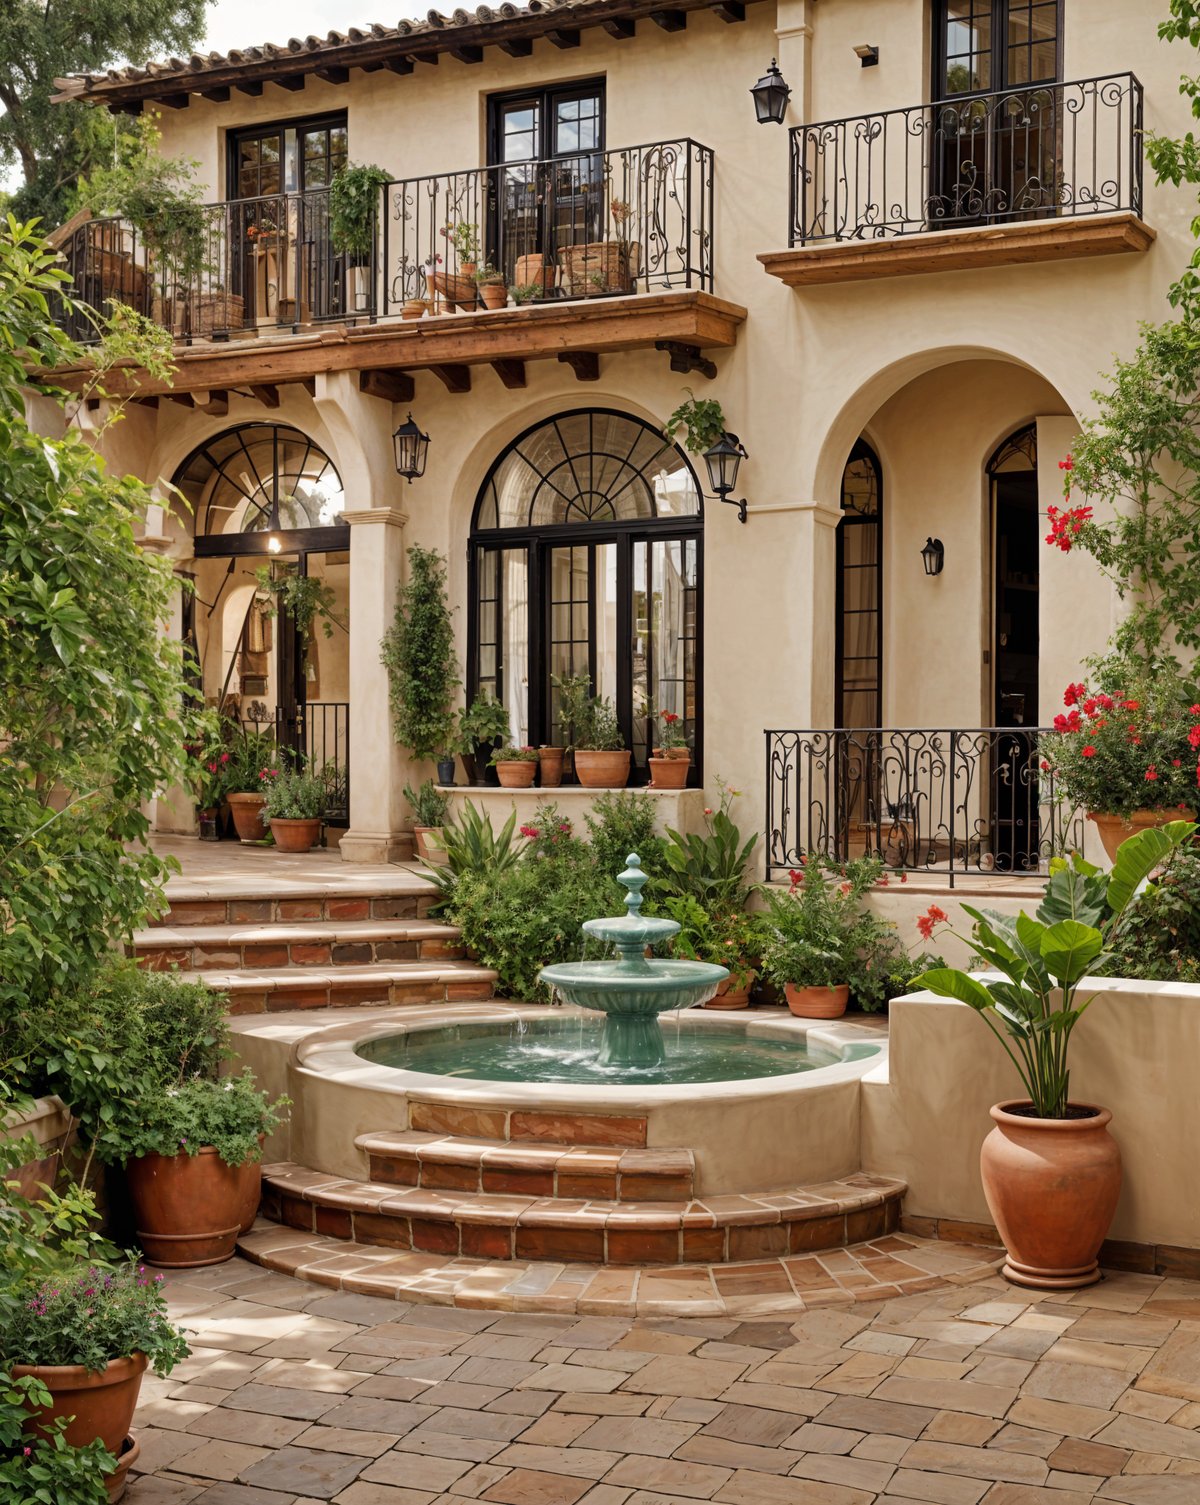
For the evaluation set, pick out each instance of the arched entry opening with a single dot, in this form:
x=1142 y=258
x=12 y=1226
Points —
x=268 y=620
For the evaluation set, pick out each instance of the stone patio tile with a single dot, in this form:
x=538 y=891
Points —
x=606 y=1494
x=172 y=1415
x=306 y=1471
x=360 y=1493
x=1056 y=1416
x=871 y=1415
x=881 y=1449
x=856 y=1473
x=979 y=1400
x=526 y=1487
x=1175 y=1369
x=1078 y=1384
x=1014 y=1438
x=636 y=1434
x=259 y=1429
x=796 y=1402
x=572 y=1377
x=1075 y=1457
x=759 y=1425
x=978 y=1463
x=737 y=1455
x=216 y=1459
x=364 y=1413
x=1025 y=1494
x=241 y=1494
x=934 y=1489
x=612 y=1403
x=151 y=1490
x=314 y=1374
x=1156 y=1407
x=749 y=1488
x=580 y=1462
x=276 y=1400
x=1146 y=1490
x=815 y=1437
x=346 y=1440
x=705 y=1379
x=1136 y=1432
x=670 y=1476
x=954 y=1426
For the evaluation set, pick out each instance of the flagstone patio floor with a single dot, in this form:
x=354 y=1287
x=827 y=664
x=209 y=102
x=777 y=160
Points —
x=968 y=1394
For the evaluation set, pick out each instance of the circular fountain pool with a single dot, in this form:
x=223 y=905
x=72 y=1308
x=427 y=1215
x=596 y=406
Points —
x=566 y=1048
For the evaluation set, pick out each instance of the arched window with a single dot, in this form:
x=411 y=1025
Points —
x=585 y=557
x=858 y=666
x=258 y=480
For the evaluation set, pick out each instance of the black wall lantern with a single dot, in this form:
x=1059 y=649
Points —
x=933 y=555
x=412 y=447
x=771 y=95
x=723 y=459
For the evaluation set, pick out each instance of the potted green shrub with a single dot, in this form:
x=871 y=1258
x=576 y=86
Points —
x=597 y=742
x=671 y=758
x=1051 y=1171
x=252 y=757
x=492 y=287
x=293 y=808
x=515 y=766
x=354 y=199
x=429 y=808
x=733 y=941
x=418 y=653
x=482 y=727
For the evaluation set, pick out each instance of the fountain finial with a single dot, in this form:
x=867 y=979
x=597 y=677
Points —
x=634 y=880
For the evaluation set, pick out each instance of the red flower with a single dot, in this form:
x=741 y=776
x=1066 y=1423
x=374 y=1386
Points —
x=529 y=832
x=1194 y=736
x=932 y=916
x=670 y=717
x=1194 y=710
x=1132 y=705
x=1073 y=694
x=1064 y=526
x=1067 y=464
x=1089 y=751
x=1176 y=762
x=212 y=768
x=903 y=877
x=224 y=757
x=1045 y=766
x=796 y=877
x=1151 y=774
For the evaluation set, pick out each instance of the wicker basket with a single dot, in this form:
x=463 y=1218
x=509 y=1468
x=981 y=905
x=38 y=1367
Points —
x=600 y=266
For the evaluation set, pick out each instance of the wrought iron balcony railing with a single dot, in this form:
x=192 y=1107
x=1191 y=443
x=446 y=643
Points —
x=631 y=220
x=956 y=801
x=1036 y=152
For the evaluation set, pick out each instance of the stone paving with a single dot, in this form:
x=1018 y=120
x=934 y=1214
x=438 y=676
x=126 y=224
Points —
x=970 y=1394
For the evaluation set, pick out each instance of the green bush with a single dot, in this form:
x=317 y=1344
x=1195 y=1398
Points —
x=418 y=653
x=1159 y=937
x=621 y=821
x=229 y=1115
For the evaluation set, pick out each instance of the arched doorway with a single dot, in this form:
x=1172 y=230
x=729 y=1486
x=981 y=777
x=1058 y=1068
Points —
x=586 y=557
x=267 y=505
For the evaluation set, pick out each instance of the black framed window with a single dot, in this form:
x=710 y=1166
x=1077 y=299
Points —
x=286 y=157
x=982 y=46
x=586 y=557
x=858 y=663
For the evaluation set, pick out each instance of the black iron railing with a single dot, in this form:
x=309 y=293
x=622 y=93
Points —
x=318 y=733
x=1030 y=153
x=608 y=222
x=956 y=801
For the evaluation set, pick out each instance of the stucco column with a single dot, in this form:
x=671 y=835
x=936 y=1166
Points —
x=811 y=603
x=377 y=807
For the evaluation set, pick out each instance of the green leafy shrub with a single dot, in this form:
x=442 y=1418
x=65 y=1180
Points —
x=91 y=1316
x=228 y=1115
x=1159 y=937
x=293 y=794
x=428 y=804
x=355 y=194
x=515 y=755
x=622 y=821
x=418 y=653
x=473 y=850
x=710 y=866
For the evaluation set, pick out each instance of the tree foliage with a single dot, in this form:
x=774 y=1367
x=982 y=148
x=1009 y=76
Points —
x=418 y=653
x=42 y=40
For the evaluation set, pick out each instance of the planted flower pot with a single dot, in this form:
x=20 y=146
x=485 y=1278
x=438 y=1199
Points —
x=494 y=294
x=187 y=1209
x=817 y=1002
x=550 y=767
x=1051 y=1186
x=669 y=767
x=429 y=845
x=445 y=772
x=734 y=992
x=1114 y=829
x=100 y=1405
x=249 y=1179
x=296 y=835
x=246 y=809
x=597 y=769
x=516 y=773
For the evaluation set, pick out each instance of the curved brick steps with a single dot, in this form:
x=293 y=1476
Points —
x=272 y=990
x=703 y=1230
x=313 y=943
x=395 y=894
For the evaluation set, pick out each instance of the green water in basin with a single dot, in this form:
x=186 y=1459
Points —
x=568 y=1049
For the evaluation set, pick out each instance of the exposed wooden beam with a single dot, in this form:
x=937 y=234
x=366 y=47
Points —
x=251 y=86
x=517 y=46
x=309 y=383
x=400 y=65
x=146 y=402
x=390 y=386
x=218 y=96
x=454 y=378
x=176 y=101
x=267 y=394
x=564 y=38
x=511 y=373
x=467 y=54
x=293 y=82
x=584 y=363
x=426 y=57
x=686 y=358
x=669 y=20
x=334 y=75
x=620 y=27
x=730 y=10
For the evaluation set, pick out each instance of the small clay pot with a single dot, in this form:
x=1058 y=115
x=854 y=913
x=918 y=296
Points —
x=669 y=770
x=550 y=767
x=295 y=835
x=602 y=770
x=1114 y=829
x=729 y=997
x=246 y=809
x=187 y=1209
x=817 y=1003
x=1051 y=1186
x=100 y=1405
x=517 y=774
x=494 y=294
x=117 y=1482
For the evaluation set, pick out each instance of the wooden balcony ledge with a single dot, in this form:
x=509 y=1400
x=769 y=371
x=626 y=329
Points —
x=578 y=332
x=958 y=250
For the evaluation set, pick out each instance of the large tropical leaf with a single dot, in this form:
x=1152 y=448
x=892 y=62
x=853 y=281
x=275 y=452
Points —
x=1076 y=891
x=1139 y=855
x=947 y=982
x=1069 y=949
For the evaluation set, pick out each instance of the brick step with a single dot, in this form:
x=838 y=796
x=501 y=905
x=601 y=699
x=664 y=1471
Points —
x=437 y=1162
x=271 y=990
x=315 y=943
x=402 y=896
x=431 y=1114
x=707 y=1230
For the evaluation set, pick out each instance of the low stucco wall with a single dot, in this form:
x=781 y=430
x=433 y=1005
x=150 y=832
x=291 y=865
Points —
x=676 y=809
x=1136 y=1051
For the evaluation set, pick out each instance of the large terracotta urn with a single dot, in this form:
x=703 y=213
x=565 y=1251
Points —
x=1114 y=829
x=1052 y=1186
x=246 y=808
x=98 y=1404
x=597 y=768
x=188 y=1209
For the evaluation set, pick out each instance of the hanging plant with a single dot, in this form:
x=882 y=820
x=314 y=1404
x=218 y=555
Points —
x=304 y=598
x=701 y=419
x=354 y=197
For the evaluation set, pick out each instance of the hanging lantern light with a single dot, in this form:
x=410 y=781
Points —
x=933 y=556
x=723 y=460
x=771 y=95
x=412 y=448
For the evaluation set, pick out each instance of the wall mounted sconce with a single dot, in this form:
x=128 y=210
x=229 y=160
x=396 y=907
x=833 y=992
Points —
x=412 y=449
x=867 y=54
x=722 y=460
x=933 y=556
x=771 y=95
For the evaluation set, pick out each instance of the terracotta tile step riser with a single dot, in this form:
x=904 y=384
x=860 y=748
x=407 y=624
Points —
x=287 y=911
x=298 y=954
x=575 y=1184
x=603 y=1131
x=340 y=996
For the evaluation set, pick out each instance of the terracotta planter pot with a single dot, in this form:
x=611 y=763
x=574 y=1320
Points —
x=817 y=1003
x=494 y=294
x=101 y=1405
x=118 y=1481
x=550 y=767
x=1052 y=1186
x=296 y=835
x=532 y=271
x=669 y=770
x=729 y=997
x=431 y=851
x=249 y=1179
x=602 y=770
x=414 y=308
x=519 y=774
x=187 y=1209
x=1114 y=829
x=247 y=816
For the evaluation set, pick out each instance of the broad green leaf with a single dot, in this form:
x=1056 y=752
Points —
x=949 y=982
x=1069 y=949
x=1138 y=856
x=1074 y=894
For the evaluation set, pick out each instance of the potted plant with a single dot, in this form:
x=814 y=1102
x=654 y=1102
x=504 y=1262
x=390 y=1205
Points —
x=294 y=807
x=597 y=742
x=208 y=760
x=515 y=766
x=482 y=727
x=670 y=760
x=354 y=199
x=492 y=287
x=418 y=653
x=603 y=266
x=429 y=808
x=550 y=765
x=252 y=753
x=1051 y=1170
x=710 y=865
x=445 y=768
x=458 y=288
x=732 y=941
x=534 y=276
x=701 y=421
x=1127 y=751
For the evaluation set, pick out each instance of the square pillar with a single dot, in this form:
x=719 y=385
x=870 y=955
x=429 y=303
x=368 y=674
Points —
x=378 y=812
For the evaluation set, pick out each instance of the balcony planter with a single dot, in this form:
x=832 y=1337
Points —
x=296 y=835
x=550 y=766
x=188 y=1209
x=669 y=767
x=535 y=271
x=457 y=291
x=516 y=773
x=596 y=769
x=598 y=267
x=817 y=1002
x=100 y=1405
x=246 y=809
x=1114 y=829
x=494 y=293
x=414 y=308
x=1051 y=1186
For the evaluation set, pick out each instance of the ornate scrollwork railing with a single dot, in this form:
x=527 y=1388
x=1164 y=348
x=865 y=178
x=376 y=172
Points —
x=947 y=800
x=1036 y=152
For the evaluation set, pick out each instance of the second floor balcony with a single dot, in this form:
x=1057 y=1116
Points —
x=1035 y=173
